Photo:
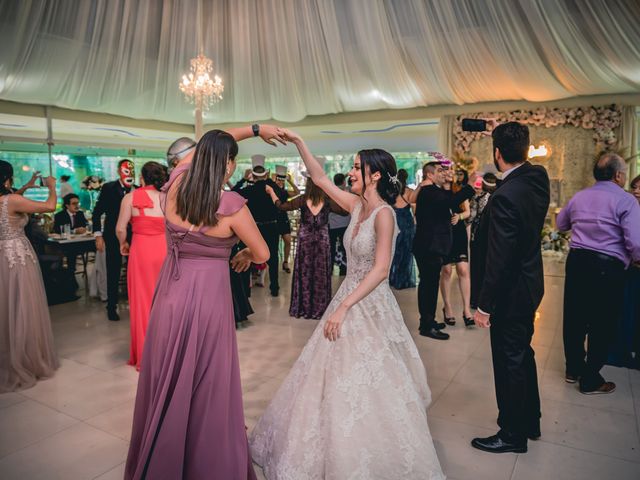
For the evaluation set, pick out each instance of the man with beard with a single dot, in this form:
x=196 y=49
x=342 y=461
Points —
x=108 y=204
x=508 y=242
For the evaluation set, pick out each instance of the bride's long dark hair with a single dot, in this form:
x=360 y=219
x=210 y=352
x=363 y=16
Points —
x=377 y=160
x=6 y=173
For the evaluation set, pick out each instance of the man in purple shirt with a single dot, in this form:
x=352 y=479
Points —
x=605 y=238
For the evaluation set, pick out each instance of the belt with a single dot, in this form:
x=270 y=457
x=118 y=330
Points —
x=599 y=255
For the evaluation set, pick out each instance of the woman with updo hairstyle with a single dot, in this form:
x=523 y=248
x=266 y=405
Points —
x=359 y=389
x=140 y=231
x=27 y=352
x=403 y=274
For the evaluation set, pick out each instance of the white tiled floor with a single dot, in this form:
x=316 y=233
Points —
x=77 y=424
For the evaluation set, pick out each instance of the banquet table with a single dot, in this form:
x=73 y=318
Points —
x=82 y=245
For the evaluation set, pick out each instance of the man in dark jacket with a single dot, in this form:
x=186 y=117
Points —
x=508 y=242
x=108 y=204
x=433 y=240
x=265 y=213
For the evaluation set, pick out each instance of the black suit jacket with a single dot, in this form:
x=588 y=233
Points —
x=508 y=243
x=259 y=202
x=434 y=207
x=62 y=218
x=108 y=203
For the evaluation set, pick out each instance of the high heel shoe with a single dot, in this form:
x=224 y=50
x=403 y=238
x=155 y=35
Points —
x=468 y=321
x=448 y=320
x=285 y=267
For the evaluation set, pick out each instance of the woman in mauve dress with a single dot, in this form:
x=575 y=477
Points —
x=188 y=421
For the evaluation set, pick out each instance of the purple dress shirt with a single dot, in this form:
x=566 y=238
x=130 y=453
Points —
x=603 y=218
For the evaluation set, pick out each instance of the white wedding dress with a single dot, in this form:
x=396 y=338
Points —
x=355 y=408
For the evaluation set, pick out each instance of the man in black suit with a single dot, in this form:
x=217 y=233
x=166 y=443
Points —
x=108 y=203
x=265 y=213
x=434 y=239
x=74 y=217
x=508 y=243
x=70 y=215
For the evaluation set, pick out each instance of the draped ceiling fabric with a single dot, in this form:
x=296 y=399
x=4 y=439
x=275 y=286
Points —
x=286 y=59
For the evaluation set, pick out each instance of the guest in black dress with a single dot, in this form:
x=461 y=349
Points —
x=459 y=255
x=284 y=225
x=485 y=185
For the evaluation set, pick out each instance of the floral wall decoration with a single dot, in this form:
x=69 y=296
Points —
x=602 y=120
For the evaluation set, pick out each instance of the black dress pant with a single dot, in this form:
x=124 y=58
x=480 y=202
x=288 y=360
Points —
x=429 y=267
x=114 y=267
x=593 y=296
x=515 y=376
x=271 y=235
x=337 y=235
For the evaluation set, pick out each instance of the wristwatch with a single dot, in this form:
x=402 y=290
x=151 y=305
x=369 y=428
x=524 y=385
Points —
x=256 y=129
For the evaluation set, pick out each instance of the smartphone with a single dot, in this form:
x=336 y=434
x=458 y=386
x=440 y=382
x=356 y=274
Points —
x=41 y=181
x=474 y=125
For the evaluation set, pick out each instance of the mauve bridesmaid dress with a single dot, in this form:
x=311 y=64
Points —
x=188 y=421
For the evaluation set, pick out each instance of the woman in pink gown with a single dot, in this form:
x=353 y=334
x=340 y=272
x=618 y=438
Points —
x=188 y=421
x=147 y=252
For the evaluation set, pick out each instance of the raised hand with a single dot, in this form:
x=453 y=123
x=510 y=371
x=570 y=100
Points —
x=32 y=182
x=270 y=132
x=50 y=182
x=290 y=135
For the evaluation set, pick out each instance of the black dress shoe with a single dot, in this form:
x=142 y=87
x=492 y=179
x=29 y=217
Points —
x=435 y=334
x=495 y=444
x=440 y=326
x=113 y=315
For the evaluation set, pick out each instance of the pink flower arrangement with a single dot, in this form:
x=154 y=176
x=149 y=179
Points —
x=602 y=120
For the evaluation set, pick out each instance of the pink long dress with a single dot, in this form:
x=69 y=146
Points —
x=147 y=254
x=188 y=421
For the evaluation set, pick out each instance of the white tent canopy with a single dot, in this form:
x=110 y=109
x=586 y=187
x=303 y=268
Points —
x=287 y=59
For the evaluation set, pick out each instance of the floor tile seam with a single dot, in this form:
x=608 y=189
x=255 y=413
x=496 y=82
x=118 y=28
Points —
x=41 y=439
x=73 y=416
x=103 y=430
x=85 y=364
x=600 y=409
x=120 y=405
x=541 y=440
x=101 y=371
x=637 y=411
x=107 y=471
x=15 y=403
x=584 y=450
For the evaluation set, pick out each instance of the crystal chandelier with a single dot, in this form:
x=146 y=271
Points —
x=198 y=87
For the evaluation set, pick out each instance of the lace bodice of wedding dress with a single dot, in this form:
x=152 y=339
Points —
x=14 y=244
x=355 y=408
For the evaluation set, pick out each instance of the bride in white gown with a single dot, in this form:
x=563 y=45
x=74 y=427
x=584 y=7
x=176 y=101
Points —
x=354 y=405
